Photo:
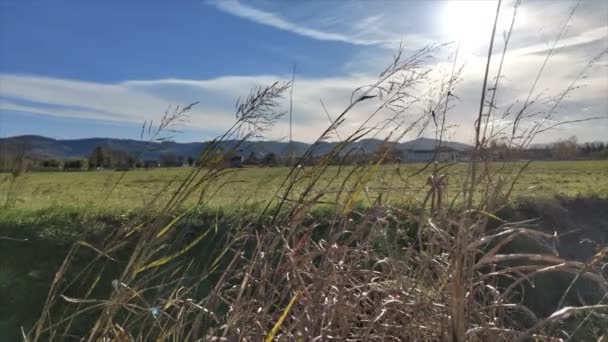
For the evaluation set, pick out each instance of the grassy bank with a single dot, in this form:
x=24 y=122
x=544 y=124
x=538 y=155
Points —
x=53 y=212
x=43 y=238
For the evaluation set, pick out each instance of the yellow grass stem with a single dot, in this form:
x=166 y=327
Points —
x=279 y=323
x=167 y=259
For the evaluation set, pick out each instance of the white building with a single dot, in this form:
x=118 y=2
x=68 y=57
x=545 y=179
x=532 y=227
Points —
x=441 y=154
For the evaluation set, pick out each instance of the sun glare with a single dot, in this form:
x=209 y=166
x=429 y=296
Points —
x=468 y=21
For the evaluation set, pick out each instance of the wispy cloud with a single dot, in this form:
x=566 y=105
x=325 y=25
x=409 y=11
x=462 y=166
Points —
x=595 y=35
x=236 y=8
x=139 y=100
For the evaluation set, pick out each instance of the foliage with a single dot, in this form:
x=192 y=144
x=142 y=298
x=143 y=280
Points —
x=105 y=157
x=270 y=160
x=565 y=149
x=14 y=159
x=171 y=160
x=75 y=165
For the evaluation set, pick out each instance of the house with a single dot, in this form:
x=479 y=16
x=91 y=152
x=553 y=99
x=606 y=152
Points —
x=450 y=155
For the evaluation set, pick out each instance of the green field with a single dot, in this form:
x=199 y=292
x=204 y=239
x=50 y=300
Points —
x=125 y=191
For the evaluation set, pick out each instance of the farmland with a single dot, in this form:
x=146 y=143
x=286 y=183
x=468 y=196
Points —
x=120 y=192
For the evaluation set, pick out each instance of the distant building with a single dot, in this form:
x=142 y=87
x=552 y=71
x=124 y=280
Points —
x=441 y=154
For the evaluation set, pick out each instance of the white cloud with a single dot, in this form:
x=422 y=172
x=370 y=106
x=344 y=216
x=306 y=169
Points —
x=236 y=8
x=594 y=35
x=381 y=24
x=108 y=101
x=139 y=100
x=136 y=101
x=388 y=23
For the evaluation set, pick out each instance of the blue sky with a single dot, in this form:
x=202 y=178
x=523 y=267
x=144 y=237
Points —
x=72 y=69
x=112 y=41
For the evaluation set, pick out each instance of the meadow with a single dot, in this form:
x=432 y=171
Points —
x=121 y=192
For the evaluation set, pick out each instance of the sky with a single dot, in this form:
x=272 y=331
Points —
x=76 y=69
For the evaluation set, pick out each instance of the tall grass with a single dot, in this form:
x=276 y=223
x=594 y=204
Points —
x=284 y=271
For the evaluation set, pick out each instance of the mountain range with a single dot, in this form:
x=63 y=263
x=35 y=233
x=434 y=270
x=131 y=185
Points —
x=40 y=147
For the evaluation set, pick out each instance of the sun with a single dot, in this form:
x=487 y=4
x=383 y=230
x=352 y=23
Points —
x=468 y=22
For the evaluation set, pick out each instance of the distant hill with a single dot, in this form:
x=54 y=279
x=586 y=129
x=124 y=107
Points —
x=430 y=144
x=39 y=147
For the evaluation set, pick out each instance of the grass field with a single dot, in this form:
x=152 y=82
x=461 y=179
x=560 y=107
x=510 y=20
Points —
x=118 y=191
x=44 y=212
x=50 y=210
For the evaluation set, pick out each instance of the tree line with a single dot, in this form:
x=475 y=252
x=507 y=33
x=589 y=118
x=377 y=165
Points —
x=14 y=158
x=565 y=149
